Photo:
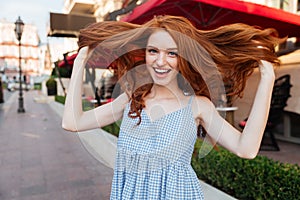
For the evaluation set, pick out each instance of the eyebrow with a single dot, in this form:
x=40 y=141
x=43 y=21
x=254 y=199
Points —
x=172 y=48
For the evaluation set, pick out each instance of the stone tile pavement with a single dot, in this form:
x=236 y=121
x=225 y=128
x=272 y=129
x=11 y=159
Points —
x=39 y=160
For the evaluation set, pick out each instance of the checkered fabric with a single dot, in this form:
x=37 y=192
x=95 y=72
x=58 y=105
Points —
x=153 y=158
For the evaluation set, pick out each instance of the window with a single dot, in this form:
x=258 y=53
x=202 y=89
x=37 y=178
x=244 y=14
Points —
x=287 y=5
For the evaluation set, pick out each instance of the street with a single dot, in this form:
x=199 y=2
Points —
x=40 y=160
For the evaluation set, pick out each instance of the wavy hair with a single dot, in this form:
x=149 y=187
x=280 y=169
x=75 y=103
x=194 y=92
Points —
x=235 y=49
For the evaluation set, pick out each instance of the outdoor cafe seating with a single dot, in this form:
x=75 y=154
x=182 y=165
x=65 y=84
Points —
x=280 y=95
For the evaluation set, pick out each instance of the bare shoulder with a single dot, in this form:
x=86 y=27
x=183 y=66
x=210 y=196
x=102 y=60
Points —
x=202 y=106
x=203 y=101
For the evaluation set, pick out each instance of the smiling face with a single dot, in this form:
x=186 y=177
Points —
x=162 y=58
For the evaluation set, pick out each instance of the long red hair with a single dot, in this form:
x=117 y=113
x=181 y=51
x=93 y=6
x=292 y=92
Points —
x=235 y=50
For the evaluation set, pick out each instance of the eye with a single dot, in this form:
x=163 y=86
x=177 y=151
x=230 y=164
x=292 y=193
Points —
x=172 y=54
x=152 y=51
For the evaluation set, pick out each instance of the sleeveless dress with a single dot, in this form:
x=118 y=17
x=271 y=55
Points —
x=153 y=158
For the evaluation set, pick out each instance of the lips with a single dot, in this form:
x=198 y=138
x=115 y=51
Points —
x=161 y=71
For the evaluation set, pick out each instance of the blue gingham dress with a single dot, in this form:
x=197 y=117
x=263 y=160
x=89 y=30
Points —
x=153 y=158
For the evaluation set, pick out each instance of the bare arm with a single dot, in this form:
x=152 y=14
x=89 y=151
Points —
x=74 y=119
x=247 y=143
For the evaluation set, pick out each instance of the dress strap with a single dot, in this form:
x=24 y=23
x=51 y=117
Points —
x=191 y=99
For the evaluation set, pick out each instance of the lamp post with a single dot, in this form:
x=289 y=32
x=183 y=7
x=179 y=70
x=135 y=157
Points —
x=19 y=25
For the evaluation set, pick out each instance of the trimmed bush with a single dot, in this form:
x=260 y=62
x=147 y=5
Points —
x=60 y=99
x=259 y=178
x=86 y=105
x=37 y=86
x=51 y=85
x=113 y=128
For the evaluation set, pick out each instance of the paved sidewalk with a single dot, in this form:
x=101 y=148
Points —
x=41 y=161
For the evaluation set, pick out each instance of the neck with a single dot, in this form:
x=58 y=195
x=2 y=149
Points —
x=169 y=91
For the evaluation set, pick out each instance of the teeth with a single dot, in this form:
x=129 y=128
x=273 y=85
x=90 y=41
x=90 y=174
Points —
x=161 y=70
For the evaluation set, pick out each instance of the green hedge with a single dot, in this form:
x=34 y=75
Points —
x=37 y=86
x=86 y=105
x=60 y=99
x=113 y=128
x=259 y=178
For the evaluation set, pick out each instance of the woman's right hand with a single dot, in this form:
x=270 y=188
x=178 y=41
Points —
x=74 y=118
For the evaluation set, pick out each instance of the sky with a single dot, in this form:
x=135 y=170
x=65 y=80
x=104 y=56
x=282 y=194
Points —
x=36 y=12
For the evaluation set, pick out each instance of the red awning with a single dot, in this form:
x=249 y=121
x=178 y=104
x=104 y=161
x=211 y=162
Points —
x=209 y=14
x=70 y=61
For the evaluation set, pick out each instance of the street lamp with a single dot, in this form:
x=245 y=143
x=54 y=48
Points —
x=19 y=30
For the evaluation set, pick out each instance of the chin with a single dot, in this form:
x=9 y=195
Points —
x=161 y=82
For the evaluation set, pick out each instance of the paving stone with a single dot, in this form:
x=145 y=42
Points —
x=41 y=161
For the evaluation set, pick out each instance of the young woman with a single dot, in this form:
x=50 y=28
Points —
x=170 y=73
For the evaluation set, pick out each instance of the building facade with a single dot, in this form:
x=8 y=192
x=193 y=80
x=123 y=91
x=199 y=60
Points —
x=10 y=54
x=96 y=8
x=292 y=6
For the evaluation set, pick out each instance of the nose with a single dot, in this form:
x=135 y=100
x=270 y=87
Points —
x=161 y=59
